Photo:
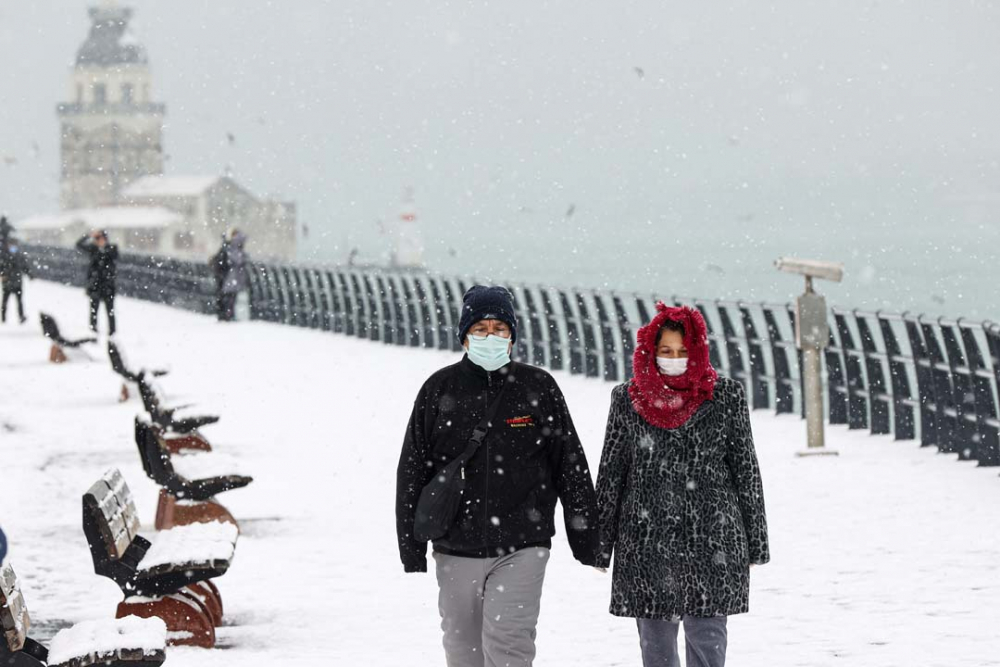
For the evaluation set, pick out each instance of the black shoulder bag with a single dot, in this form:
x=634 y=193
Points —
x=441 y=499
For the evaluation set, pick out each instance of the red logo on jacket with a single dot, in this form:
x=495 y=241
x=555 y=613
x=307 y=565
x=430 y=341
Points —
x=521 y=422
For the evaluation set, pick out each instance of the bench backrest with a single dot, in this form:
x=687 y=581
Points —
x=153 y=453
x=14 y=619
x=49 y=327
x=112 y=507
x=118 y=361
x=148 y=393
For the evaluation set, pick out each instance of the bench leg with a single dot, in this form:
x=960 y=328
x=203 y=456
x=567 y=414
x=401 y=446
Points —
x=170 y=512
x=188 y=621
x=193 y=440
x=123 y=395
x=56 y=354
x=208 y=595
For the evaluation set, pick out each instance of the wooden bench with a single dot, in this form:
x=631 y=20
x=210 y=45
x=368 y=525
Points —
x=119 y=366
x=167 y=417
x=169 y=577
x=126 y=642
x=57 y=354
x=182 y=501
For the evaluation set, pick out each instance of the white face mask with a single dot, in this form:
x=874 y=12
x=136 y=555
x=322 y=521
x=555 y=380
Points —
x=672 y=367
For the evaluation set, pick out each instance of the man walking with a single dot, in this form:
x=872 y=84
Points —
x=101 y=275
x=491 y=561
x=13 y=268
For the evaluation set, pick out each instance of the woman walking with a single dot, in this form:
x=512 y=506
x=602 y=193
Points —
x=680 y=495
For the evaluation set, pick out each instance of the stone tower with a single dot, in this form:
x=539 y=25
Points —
x=112 y=131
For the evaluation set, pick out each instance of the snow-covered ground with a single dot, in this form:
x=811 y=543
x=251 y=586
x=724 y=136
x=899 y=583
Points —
x=887 y=555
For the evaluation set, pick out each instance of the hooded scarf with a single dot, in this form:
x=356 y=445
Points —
x=664 y=401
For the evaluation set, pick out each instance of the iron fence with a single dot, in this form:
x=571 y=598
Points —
x=914 y=377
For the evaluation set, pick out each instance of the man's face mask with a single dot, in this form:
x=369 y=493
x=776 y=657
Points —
x=672 y=367
x=489 y=352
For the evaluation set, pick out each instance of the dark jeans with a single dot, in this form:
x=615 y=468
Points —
x=109 y=308
x=3 y=305
x=227 y=307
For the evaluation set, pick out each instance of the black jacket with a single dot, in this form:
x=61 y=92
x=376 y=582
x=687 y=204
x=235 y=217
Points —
x=13 y=267
x=103 y=267
x=531 y=457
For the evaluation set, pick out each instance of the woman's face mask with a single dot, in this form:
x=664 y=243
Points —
x=489 y=352
x=672 y=367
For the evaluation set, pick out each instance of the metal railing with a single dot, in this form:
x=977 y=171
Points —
x=914 y=377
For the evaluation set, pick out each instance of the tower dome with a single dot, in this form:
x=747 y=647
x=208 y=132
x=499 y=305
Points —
x=110 y=41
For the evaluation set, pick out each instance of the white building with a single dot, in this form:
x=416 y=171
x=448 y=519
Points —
x=112 y=165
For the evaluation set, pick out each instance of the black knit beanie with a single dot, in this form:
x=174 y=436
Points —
x=487 y=303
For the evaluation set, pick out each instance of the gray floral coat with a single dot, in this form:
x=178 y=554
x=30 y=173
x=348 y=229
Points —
x=681 y=509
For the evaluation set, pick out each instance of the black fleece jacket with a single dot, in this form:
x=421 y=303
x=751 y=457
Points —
x=530 y=458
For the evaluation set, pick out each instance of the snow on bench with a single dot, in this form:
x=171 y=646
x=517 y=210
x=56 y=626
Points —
x=129 y=639
x=196 y=543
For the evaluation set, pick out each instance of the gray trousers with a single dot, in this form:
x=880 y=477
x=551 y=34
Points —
x=705 y=638
x=489 y=607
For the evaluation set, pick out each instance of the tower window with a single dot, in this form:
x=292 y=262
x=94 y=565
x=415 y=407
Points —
x=126 y=93
x=100 y=93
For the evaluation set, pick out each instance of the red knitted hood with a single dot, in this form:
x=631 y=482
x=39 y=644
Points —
x=664 y=401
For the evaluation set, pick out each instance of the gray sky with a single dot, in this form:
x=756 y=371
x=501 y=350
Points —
x=861 y=131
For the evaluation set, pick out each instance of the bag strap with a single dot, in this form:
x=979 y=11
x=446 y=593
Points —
x=483 y=427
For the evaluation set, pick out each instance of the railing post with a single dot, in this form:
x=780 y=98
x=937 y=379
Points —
x=758 y=368
x=454 y=306
x=784 y=387
x=612 y=371
x=553 y=332
x=963 y=396
x=573 y=337
x=857 y=406
x=944 y=396
x=737 y=370
x=987 y=426
x=877 y=397
x=904 y=426
x=536 y=328
x=626 y=336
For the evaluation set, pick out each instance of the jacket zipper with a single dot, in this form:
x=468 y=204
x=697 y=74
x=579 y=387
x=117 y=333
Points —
x=486 y=442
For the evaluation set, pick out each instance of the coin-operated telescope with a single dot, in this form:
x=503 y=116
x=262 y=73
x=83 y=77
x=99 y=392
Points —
x=812 y=335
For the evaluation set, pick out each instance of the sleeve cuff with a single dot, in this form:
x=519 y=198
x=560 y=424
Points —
x=416 y=566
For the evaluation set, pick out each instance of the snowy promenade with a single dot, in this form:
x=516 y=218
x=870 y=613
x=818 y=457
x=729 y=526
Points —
x=887 y=555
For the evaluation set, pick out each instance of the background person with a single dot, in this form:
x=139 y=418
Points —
x=237 y=275
x=13 y=267
x=680 y=495
x=102 y=275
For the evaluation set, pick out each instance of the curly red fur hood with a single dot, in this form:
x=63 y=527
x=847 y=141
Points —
x=663 y=401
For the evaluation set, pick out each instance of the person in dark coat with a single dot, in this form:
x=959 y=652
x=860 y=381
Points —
x=680 y=494
x=13 y=267
x=237 y=274
x=101 y=275
x=491 y=562
x=219 y=263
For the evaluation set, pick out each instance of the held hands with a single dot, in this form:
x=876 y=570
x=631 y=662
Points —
x=602 y=570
